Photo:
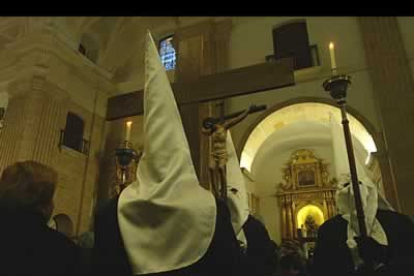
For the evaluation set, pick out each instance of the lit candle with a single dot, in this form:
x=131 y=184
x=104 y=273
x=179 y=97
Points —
x=128 y=130
x=333 y=59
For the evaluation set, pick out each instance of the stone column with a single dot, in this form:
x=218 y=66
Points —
x=10 y=136
x=289 y=234
x=32 y=123
x=284 y=226
x=394 y=93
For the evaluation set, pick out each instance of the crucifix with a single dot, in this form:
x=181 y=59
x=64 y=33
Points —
x=217 y=129
x=189 y=95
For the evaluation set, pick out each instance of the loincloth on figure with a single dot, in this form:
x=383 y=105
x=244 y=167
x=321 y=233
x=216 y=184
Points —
x=220 y=156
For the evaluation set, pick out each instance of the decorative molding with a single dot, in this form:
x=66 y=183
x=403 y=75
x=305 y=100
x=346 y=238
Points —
x=18 y=87
x=38 y=48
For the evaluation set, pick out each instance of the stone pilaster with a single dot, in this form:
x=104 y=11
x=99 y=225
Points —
x=10 y=136
x=47 y=80
x=394 y=92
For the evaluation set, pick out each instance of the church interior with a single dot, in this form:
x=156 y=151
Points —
x=71 y=91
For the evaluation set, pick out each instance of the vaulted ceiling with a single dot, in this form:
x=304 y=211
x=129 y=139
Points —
x=120 y=39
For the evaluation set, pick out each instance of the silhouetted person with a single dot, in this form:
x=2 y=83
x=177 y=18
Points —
x=261 y=251
x=258 y=249
x=389 y=246
x=292 y=260
x=28 y=246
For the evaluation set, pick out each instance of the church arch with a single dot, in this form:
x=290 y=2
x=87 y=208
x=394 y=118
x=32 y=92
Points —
x=64 y=224
x=310 y=209
x=364 y=125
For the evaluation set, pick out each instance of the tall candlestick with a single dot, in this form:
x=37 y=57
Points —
x=128 y=131
x=333 y=59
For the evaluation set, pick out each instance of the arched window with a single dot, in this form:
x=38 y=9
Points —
x=73 y=136
x=291 y=40
x=167 y=53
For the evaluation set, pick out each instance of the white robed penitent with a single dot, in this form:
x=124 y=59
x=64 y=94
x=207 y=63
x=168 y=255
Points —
x=237 y=199
x=166 y=219
x=345 y=199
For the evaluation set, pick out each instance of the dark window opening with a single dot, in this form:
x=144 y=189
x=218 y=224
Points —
x=73 y=133
x=92 y=55
x=291 y=40
x=82 y=49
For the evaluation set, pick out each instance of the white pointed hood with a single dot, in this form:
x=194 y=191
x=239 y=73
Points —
x=346 y=207
x=166 y=219
x=236 y=189
x=344 y=197
x=341 y=155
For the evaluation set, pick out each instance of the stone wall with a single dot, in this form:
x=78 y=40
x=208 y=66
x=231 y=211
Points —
x=45 y=80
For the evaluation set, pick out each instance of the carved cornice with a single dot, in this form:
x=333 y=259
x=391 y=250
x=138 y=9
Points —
x=21 y=86
x=18 y=87
x=56 y=92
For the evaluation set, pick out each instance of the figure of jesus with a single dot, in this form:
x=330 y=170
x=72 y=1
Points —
x=218 y=156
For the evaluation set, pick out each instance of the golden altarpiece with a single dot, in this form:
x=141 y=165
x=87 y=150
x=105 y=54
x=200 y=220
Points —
x=307 y=196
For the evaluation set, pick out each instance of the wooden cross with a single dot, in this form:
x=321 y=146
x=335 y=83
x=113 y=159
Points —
x=237 y=82
x=242 y=81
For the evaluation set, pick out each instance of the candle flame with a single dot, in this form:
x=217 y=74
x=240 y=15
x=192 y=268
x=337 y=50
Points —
x=129 y=123
x=331 y=45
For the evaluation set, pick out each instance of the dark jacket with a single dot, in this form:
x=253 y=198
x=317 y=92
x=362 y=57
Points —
x=223 y=257
x=261 y=252
x=332 y=255
x=29 y=247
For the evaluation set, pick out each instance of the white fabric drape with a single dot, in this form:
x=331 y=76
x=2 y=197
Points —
x=341 y=156
x=237 y=199
x=346 y=207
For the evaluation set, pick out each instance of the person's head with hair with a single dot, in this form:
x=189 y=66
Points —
x=30 y=186
x=292 y=264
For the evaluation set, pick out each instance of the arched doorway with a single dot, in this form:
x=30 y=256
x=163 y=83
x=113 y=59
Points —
x=64 y=224
x=289 y=127
x=303 y=218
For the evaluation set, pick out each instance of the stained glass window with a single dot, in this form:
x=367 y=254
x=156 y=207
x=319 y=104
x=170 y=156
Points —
x=167 y=53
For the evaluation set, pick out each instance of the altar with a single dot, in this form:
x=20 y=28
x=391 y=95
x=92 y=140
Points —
x=306 y=197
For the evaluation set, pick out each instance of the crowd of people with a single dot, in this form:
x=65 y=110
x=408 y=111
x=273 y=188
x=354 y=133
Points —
x=166 y=223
